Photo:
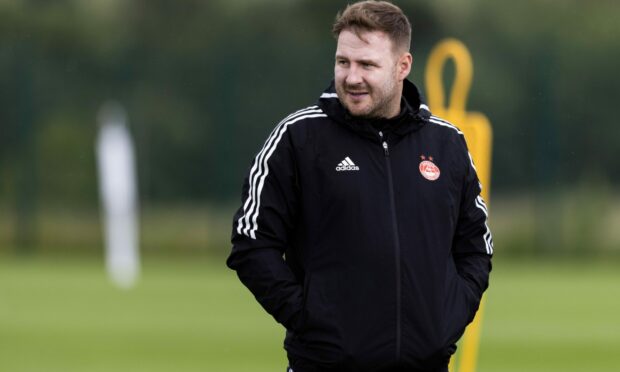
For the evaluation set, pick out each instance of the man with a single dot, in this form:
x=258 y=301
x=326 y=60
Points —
x=362 y=229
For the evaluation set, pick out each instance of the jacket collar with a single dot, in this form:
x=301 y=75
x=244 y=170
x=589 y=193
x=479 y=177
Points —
x=414 y=113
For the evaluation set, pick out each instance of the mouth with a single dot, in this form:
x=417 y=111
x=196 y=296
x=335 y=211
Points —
x=355 y=94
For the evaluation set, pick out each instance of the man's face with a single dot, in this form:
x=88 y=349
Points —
x=369 y=74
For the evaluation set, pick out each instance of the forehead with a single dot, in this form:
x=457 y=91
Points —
x=369 y=44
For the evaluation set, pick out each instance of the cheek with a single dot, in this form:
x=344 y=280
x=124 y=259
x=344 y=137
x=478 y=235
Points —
x=378 y=79
x=339 y=73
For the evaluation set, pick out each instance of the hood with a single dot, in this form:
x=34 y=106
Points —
x=414 y=113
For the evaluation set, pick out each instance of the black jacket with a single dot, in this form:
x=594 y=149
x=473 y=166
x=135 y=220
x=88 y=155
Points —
x=370 y=247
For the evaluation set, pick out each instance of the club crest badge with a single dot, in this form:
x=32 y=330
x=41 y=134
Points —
x=428 y=169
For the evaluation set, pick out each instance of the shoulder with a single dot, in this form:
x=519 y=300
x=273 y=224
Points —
x=450 y=135
x=444 y=127
x=302 y=125
x=292 y=130
x=301 y=117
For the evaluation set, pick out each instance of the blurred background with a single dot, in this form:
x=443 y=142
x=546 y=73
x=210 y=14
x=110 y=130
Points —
x=202 y=84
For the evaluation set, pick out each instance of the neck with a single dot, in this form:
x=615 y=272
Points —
x=394 y=109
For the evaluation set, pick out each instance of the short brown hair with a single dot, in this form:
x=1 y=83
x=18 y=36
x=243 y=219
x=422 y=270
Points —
x=373 y=15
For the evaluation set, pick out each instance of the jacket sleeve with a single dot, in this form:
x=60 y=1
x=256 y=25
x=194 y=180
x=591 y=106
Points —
x=262 y=227
x=473 y=244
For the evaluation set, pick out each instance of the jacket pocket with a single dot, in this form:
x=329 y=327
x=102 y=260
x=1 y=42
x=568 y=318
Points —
x=298 y=324
x=318 y=337
x=316 y=313
x=459 y=311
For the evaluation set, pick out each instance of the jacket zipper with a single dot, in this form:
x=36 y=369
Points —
x=386 y=152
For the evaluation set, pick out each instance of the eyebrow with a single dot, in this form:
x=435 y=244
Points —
x=368 y=61
x=363 y=60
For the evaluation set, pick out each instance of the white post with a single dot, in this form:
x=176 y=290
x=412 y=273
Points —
x=118 y=192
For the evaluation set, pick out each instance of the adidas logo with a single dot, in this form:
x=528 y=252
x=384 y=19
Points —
x=347 y=165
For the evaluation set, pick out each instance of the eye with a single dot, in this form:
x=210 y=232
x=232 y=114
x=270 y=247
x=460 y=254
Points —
x=342 y=62
x=367 y=65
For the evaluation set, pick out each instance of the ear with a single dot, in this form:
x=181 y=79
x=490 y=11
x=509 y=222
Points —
x=404 y=65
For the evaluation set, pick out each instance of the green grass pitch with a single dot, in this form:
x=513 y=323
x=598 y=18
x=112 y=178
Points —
x=195 y=316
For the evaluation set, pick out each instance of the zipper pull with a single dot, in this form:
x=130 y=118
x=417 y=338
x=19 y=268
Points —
x=385 y=145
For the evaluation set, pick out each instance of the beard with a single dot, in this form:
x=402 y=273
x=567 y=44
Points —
x=377 y=103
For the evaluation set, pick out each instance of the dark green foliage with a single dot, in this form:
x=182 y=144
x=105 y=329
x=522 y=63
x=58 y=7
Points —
x=205 y=81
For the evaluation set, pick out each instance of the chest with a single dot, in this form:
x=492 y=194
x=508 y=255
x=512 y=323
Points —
x=360 y=174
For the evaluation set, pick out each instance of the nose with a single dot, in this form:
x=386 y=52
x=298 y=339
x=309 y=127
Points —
x=354 y=76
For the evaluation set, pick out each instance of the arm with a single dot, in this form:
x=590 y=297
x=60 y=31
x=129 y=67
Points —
x=473 y=244
x=261 y=228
